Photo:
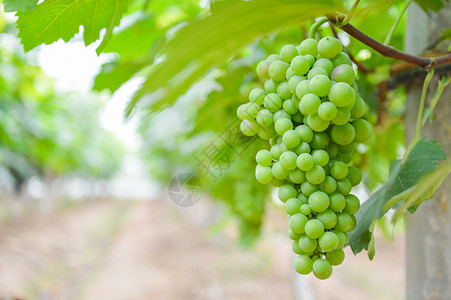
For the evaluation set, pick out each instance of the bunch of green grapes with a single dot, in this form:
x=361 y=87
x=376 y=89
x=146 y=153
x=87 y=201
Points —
x=310 y=113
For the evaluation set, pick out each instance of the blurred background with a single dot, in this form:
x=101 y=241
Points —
x=94 y=205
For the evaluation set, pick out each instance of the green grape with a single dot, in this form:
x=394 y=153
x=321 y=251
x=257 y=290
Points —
x=283 y=125
x=359 y=108
x=305 y=161
x=251 y=110
x=272 y=102
x=297 y=117
x=329 y=47
x=293 y=83
x=337 y=202
x=288 y=52
x=343 y=134
x=363 y=130
x=240 y=112
x=257 y=95
x=345 y=157
x=344 y=186
x=297 y=176
x=291 y=138
x=305 y=209
x=332 y=150
x=248 y=128
x=329 y=185
x=316 y=123
x=326 y=64
x=264 y=158
x=345 y=149
x=328 y=218
x=318 y=201
x=343 y=116
x=288 y=160
x=262 y=69
x=286 y=192
x=353 y=223
x=311 y=59
x=289 y=73
x=320 y=157
x=277 y=70
x=277 y=182
x=302 y=198
x=316 y=71
x=303 y=147
x=327 y=111
x=292 y=206
x=338 y=170
x=314 y=228
x=341 y=94
x=305 y=133
x=335 y=257
x=308 y=189
x=352 y=204
x=341 y=59
x=300 y=65
x=303 y=88
x=273 y=58
x=315 y=175
x=293 y=235
x=297 y=223
x=289 y=107
x=303 y=264
x=320 y=140
x=295 y=247
x=264 y=174
x=321 y=268
x=328 y=241
x=308 y=46
x=307 y=244
x=277 y=151
x=283 y=91
x=270 y=86
x=309 y=104
x=320 y=85
x=279 y=172
x=343 y=73
x=344 y=222
x=342 y=241
x=280 y=114
x=264 y=118
x=354 y=175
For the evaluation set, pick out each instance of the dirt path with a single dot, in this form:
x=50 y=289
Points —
x=150 y=250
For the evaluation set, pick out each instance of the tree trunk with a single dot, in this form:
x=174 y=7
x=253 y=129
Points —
x=428 y=237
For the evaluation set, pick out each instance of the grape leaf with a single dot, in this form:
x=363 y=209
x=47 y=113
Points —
x=421 y=161
x=55 y=19
x=19 y=5
x=208 y=42
x=114 y=74
x=434 y=5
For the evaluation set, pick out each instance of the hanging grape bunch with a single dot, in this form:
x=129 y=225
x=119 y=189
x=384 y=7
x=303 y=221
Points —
x=311 y=114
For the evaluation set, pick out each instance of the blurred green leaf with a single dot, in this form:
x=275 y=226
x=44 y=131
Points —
x=211 y=41
x=19 y=5
x=434 y=5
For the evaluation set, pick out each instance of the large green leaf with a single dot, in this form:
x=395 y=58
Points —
x=421 y=161
x=19 y=5
x=211 y=41
x=55 y=19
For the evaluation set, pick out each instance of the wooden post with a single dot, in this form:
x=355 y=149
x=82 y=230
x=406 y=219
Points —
x=428 y=234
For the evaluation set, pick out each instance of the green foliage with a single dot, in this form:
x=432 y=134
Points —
x=55 y=19
x=19 y=5
x=421 y=161
x=434 y=5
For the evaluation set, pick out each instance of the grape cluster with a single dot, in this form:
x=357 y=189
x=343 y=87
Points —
x=311 y=114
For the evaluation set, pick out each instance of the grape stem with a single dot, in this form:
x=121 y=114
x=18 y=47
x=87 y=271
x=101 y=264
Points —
x=424 y=62
x=393 y=29
x=350 y=14
x=315 y=26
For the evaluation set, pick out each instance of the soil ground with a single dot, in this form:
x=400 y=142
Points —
x=129 y=250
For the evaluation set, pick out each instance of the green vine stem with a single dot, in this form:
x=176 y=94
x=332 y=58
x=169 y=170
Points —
x=442 y=84
x=316 y=25
x=393 y=29
x=348 y=18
